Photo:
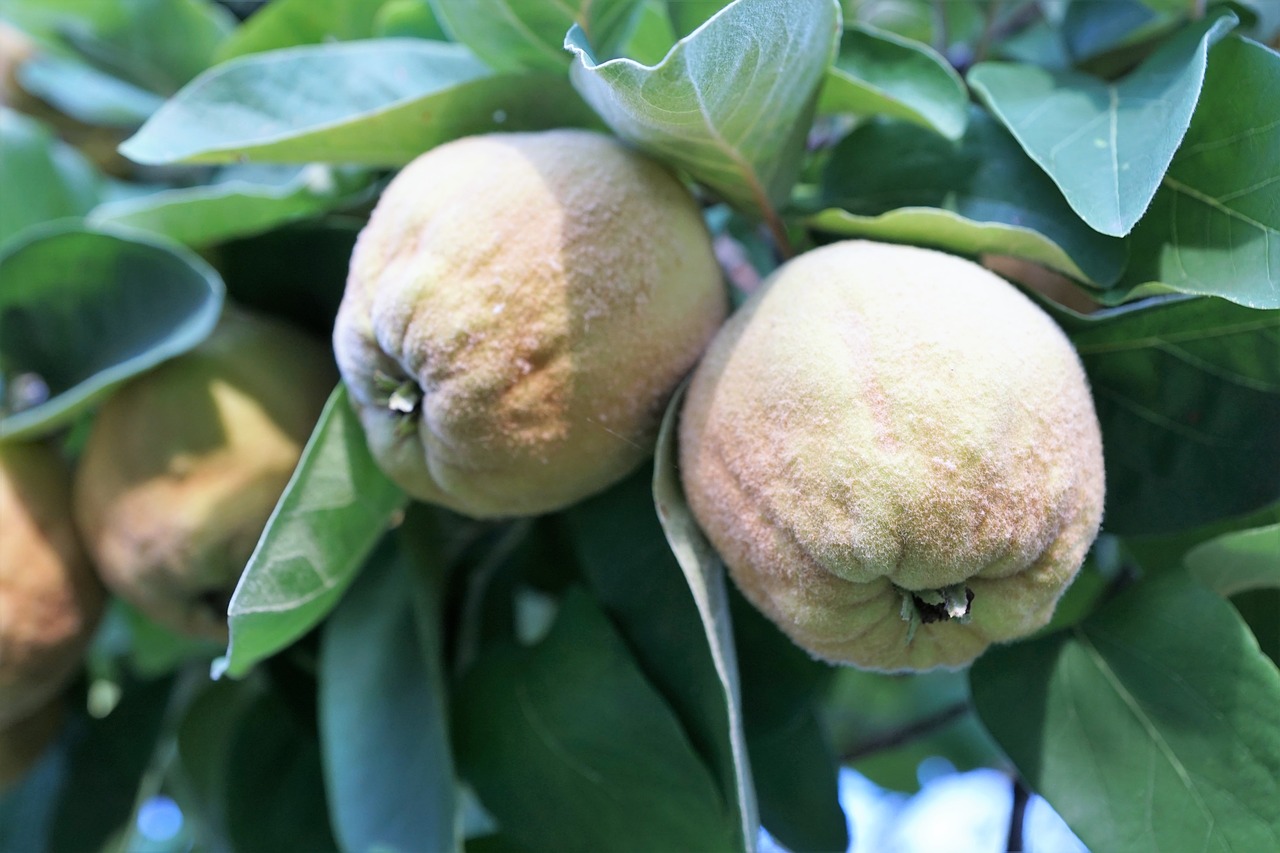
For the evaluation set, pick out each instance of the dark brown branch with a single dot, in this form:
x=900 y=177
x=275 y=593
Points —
x=907 y=733
x=1017 y=817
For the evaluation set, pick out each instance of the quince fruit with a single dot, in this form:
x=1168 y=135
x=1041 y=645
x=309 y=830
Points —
x=184 y=465
x=896 y=454
x=518 y=312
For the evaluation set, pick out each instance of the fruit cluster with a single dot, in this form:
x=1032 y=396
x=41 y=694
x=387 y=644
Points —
x=893 y=450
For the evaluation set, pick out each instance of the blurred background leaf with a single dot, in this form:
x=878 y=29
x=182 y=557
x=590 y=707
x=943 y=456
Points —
x=83 y=309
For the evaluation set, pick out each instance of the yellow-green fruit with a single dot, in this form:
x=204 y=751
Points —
x=23 y=741
x=50 y=600
x=896 y=454
x=184 y=465
x=518 y=311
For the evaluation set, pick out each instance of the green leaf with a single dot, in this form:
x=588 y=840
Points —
x=1154 y=725
x=1240 y=561
x=408 y=19
x=793 y=763
x=1188 y=395
x=286 y=23
x=329 y=518
x=651 y=34
x=896 y=181
x=643 y=588
x=43 y=178
x=85 y=93
x=382 y=708
x=155 y=44
x=82 y=310
x=1093 y=28
x=378 y=102
x=513 y=35
x=1106 y=145
x=687 y=15
x=1214 y=226
x=730 y=104
x=240 y=202
x=275 y=798
x=704 y=575
x=571 y=749
x=105 y=769
x=879 y=73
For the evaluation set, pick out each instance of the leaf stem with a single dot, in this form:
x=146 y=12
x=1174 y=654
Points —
x=907 y=733
x=778 y=231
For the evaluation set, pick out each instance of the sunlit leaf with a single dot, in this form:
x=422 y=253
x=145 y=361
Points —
x=379 y=102
x=1154 y=725
x=331 y=514
x=1214 y=226
x=730 y=104
x=1105 y=144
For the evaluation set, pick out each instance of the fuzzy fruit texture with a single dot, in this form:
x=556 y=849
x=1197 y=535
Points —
x=185 y=463
x=896 y=454
x=50 y=600
x=519 y=309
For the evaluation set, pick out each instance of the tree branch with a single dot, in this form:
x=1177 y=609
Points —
x=1017 y=817
x=907 y=733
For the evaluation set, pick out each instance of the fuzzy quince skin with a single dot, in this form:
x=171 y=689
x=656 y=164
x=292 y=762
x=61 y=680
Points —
x=896 y=454
x=184 y=465
x=50 y=600
x=519 y=310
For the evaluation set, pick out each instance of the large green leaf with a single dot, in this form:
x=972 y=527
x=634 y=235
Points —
x=731 y=103
x=85 y=93
x=382 y=708
x=43 y=178
x=380 y=102
x=1105 y=144
x=511 y=35
x=891 y=180
x=793 y=764
x=643 y=589
x=1188 y=395
x=1239 y=561
x=1214 y=226
x=82 y=310
x=329 y=518
x=879 y=73
x=106 y=767
x=571 y=748
x=286 y=23
x=240 y=202
x=275 y=797
x=704 y=574
x=155 y=44
x=1154 y=725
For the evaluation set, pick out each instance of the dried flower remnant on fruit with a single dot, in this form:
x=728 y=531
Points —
x=896 y=454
